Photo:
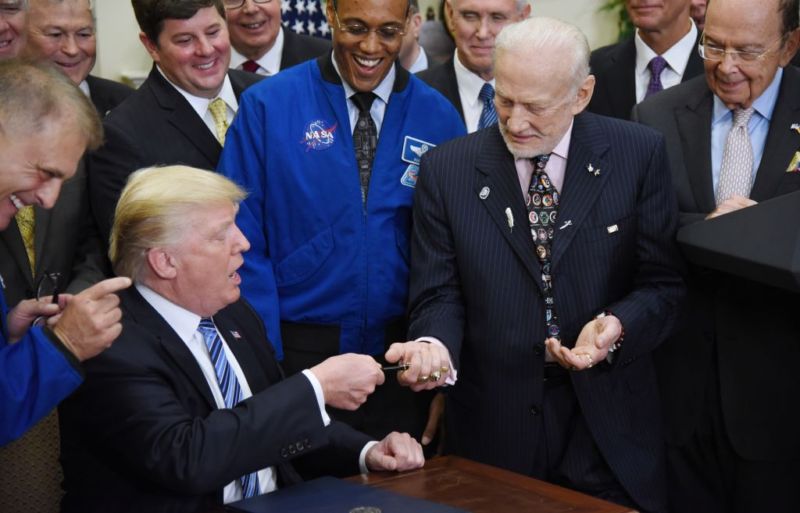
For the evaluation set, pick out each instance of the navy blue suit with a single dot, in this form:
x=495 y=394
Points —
x=476 y=285
x=144 y=433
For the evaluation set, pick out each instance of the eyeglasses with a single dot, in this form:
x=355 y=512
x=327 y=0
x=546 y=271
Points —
x=48 y=285
x=712 y=52
x=235 y=4
x=386 y=33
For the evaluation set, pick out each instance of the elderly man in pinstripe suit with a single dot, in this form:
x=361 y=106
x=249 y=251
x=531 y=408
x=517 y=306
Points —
x=544 y=262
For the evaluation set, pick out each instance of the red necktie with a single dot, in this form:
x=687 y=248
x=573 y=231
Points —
x=251 y=66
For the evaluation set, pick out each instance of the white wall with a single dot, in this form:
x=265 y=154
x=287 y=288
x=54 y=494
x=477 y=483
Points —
x=121 y=54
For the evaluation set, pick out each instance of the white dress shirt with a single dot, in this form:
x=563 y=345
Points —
x=268 y=64
x=378 y=109
x=469 y=87
x=677 y=58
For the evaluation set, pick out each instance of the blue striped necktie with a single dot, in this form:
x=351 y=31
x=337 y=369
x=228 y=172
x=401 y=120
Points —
x=488 y=114
x=228 y=385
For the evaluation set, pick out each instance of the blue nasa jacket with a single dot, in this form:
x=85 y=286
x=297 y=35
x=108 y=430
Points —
x=35 y=376
x=318 y=254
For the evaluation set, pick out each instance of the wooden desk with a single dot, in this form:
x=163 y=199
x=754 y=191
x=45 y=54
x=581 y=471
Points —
x=481 y=488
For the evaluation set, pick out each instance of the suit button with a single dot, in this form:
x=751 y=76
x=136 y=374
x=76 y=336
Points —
x=307 y=443
x=300 y=447
x=284 y=453
x=534 y=410
x=292 y=450
x=537 y=350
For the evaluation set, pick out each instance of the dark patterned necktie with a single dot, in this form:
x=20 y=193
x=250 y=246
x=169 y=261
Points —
x=656 y=65
x=542 y=203
x=229 y=386
x=365 y=139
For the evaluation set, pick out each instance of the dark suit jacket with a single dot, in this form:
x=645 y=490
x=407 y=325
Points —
x=749 y=326
x=106 y=94
x=66 y=238
x=614 y=67
x=144 y=424
x=476 y=285
x=154 y=126
x=443 y=79
x=299 y=48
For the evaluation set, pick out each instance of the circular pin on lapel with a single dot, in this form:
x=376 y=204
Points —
x=484 y=193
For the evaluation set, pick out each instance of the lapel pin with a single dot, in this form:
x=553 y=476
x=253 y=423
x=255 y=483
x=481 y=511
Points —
x=484 y=193
x=235 y=334
x=566 y=224
x=795 y=127
x=612 y=229
x=595 y=171
x=510 y=219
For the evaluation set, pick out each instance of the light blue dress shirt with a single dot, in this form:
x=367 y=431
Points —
x=722 y=120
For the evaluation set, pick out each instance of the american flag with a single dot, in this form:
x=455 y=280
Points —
x=305 y=17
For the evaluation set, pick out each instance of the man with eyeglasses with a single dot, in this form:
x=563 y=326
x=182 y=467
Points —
x=260 y=44
x=182 y=110
x=467 y=79
x=729 y=380
x=328 y=151
x=660 y=55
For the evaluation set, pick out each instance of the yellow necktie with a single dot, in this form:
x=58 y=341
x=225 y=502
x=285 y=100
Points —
x=27 y=227
x=219 y=113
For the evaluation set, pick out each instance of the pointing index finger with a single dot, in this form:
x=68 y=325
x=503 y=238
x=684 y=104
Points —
x=106 y=287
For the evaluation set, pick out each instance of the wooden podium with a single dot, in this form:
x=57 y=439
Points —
x=481 y=488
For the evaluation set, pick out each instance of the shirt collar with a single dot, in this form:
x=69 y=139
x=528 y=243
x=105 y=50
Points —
x=677 y=56
x=764 y=105
x=200 y=104
x=468 y=82
x=270 y=61
x=384 y=89
x=84 y=86
x=181 y=320
x=562 y=148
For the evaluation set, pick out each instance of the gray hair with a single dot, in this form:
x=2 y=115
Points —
x=520 y=4
x=32 y=94
x=540 y=35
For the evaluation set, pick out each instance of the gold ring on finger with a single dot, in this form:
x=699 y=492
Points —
x=435 y=375
x=423 y=379
x=444 y=369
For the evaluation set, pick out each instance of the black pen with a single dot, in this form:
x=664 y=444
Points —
x=399 y=367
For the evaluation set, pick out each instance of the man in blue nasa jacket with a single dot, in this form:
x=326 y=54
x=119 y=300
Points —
x=46 y=124
x=328 y=269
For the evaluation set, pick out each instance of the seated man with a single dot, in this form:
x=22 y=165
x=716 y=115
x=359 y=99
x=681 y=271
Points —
x=192 y=404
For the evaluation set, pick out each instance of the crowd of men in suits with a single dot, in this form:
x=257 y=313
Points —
x=286 y=217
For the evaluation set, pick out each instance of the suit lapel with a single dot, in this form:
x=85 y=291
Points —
x=581 y=188
x=242 y=348
x=183 y=117
x=782 y=142
x=13 y=240
x=622 y=86
x=694 y=126
x=144 y=315
x=40 y=237
x=498 y=175
x=450 y=89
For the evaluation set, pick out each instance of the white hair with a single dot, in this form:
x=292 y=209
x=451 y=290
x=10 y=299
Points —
x=547 y=36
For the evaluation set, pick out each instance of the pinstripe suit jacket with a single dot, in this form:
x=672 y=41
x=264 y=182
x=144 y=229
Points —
x=476 y=285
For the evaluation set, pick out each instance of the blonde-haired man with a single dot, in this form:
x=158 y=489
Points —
x=192 y=397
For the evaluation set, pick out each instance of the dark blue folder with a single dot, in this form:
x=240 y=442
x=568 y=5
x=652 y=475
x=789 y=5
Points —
x=331 y=495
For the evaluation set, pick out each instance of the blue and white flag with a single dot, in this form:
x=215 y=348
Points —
x=305 y=17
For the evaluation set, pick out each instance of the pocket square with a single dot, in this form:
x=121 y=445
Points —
x=794 y=165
